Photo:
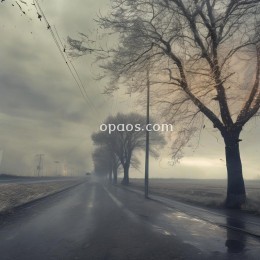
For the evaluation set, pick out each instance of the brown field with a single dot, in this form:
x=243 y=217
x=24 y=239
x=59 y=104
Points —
x=210 y=193
x=15 y=194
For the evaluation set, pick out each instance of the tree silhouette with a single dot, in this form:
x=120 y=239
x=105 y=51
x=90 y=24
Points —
x=123 y=144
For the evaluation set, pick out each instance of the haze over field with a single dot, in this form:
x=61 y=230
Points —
x=42 y=110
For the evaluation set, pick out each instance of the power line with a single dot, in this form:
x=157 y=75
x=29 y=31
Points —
x=73 y=67
x=59 y=48
x=64 y=55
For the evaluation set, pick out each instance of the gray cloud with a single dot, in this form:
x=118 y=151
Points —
x=41 y=108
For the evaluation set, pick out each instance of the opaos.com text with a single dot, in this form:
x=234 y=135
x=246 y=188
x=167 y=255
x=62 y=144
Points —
x=136 y=127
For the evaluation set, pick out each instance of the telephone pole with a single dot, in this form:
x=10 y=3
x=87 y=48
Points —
x=40 y=164
x=56 y=162
x=146 y=178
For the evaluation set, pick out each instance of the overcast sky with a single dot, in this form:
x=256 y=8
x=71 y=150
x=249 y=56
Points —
x=43 y=112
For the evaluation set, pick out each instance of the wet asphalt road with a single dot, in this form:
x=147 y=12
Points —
x=95 y=221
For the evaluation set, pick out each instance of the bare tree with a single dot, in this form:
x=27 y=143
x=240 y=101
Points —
x=105 y=157
x=126 y=139
x=102 y=162
x=106 y=163
x=107 y=146
x=203 y=55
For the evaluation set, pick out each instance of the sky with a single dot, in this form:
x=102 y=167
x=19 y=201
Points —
x=42 y=110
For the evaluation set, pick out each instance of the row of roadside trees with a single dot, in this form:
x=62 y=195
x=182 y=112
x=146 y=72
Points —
x=117 y=149
x=204 y=60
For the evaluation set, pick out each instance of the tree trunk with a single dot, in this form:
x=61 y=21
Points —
x=236 y=195
x=125 y=180
x=115 y=174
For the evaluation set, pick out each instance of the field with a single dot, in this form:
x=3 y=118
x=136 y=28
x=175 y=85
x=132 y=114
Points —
x=209 y=193
x=15 y=194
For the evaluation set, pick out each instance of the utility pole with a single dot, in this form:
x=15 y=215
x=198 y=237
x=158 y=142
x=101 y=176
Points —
x=56 y=162
x=146 y=178
x=40 y=164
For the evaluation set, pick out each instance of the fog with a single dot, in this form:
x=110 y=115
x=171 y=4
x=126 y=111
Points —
x=43 y=112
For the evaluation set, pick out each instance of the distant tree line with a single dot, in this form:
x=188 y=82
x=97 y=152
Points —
x=117 y=149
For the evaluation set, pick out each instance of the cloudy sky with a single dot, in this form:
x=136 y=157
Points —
x=42 y=110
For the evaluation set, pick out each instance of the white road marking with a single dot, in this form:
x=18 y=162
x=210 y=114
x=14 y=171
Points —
x=130 y=214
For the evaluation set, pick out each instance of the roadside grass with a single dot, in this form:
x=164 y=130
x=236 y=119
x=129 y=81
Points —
x=16 y=194
x=209 y=193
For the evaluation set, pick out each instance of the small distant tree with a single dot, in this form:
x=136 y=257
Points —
x=104 y=158
x=103 y=162
x=106 y=163
x=124 y=143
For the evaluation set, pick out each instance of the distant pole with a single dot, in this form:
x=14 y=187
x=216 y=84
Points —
x=56 y=162
x=146 y=178
x=40 y=164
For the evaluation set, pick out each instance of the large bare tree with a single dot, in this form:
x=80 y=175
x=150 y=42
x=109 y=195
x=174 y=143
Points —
x=203 y=56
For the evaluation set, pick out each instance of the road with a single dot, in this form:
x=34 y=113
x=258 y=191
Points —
x=96 y=221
